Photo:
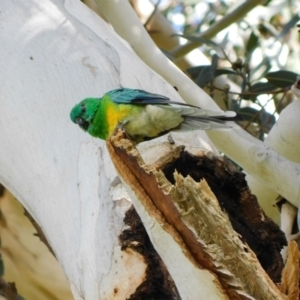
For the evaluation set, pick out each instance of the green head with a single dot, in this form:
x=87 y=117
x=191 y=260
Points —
x=83 y=113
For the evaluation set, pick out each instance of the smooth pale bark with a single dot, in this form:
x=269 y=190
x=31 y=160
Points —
x=285 y=139
x=50 y=60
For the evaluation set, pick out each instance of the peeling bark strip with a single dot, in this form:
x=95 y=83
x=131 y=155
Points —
x=194 y=212
x=263 y=236
x=158 y=283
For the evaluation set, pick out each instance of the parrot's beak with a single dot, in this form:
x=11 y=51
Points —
x=82 y=123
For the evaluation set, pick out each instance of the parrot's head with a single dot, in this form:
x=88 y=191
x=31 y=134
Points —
x=83 y=113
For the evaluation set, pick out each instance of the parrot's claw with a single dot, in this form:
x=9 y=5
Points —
x=170 y=139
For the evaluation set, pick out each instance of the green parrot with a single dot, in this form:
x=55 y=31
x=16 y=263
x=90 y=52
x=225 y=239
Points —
x=144 y=115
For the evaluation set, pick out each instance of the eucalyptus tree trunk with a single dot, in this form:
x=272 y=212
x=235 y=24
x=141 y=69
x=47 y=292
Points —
x=58 y=52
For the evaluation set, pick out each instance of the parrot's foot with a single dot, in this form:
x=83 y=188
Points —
x=121 y=128
x=170 y=139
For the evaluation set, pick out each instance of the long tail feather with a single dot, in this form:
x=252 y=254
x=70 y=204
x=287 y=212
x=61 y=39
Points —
x=209 y=123
x=197 y=118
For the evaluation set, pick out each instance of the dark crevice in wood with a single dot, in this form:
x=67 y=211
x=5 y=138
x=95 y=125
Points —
x=158 y=284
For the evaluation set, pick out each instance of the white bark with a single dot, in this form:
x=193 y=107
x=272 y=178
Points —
x=56 y=53
x=285 y=139
x=49 y=61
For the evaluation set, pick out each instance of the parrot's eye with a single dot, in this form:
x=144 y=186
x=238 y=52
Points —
x=83 y=108
x=82 y=123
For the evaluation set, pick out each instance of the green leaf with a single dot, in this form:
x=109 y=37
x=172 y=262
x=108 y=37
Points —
x=266 y=120
x=205 y=76
x=252 y=42
x=257 y=89
x=266 y=3
x=282 y=78
x=214 y=63
x=195 y=71
x=263 y=88
x=223 y=71
x=249 y=113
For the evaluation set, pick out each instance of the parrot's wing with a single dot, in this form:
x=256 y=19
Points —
x=130 y=96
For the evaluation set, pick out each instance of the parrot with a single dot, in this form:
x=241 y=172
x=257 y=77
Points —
x=144 y=115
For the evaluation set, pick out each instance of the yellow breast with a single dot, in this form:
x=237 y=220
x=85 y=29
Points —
x=117 y=114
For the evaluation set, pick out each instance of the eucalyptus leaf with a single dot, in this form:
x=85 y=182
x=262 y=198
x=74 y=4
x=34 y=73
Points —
x=249 y=113
x=195 y=71
x=267 y=120
x=282 y=78
x=205 y=76
x=214 y=63
x=252 y=42
x=263 y=88
x=223 y=71
x=257 y=89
